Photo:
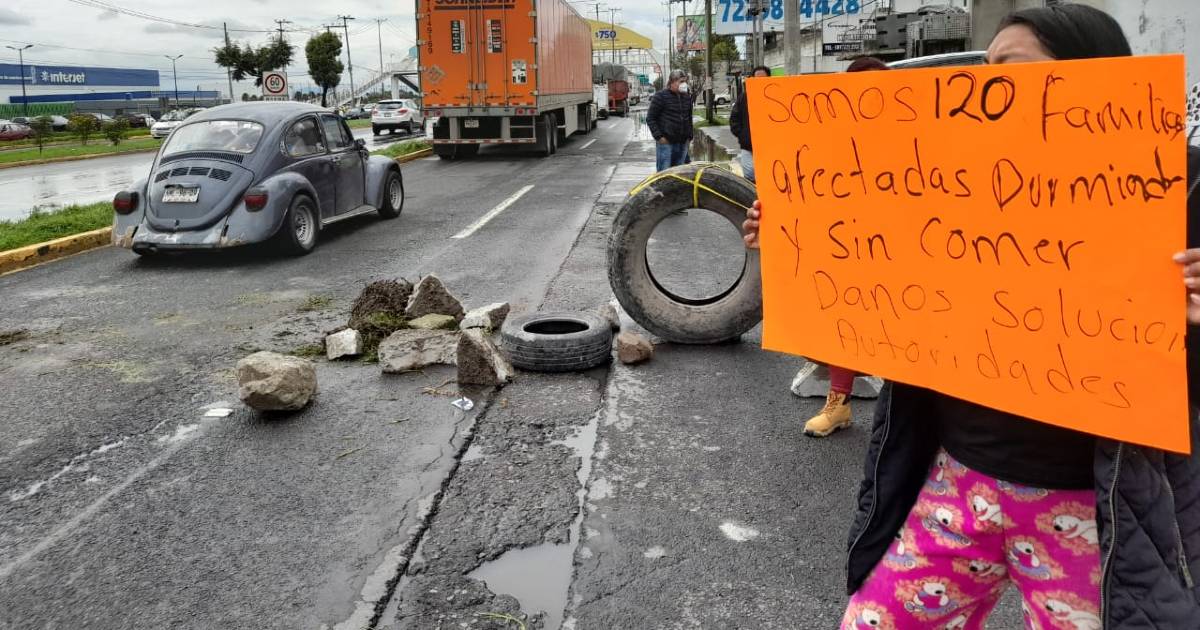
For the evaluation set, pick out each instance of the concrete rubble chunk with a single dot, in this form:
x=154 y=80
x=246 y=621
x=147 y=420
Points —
x=430 y=297
x=410 y=349
x=490 y=317
x=344 y=343
x=633 y=348
x=269 y=381
x=434 y=322
x=382 y=296
x=480 y=361
x=610 y=314
x=812 y=381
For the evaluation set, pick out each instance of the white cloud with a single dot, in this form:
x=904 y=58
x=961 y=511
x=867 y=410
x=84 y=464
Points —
x=108 y=15
x=8 y=16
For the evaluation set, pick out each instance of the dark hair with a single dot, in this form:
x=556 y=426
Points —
x=866 y=63
x=1072 y=31
x=763 y=68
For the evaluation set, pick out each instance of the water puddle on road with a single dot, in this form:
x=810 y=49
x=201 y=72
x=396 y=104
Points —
x=539 y=577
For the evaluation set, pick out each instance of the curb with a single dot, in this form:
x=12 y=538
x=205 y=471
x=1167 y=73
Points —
x=33 y=255
x=73 y=158
x=415 y=155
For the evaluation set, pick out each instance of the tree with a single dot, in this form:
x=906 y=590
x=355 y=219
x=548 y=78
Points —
x=724 y=49
x=325 y=66
x=84 y=126
x=246 y=61
x=658 y=84
x=115 y=130
x=42 y=127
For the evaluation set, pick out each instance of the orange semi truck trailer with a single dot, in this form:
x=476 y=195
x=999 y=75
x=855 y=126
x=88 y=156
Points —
x=504 y=72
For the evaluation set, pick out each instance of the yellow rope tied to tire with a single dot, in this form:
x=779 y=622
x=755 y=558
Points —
x=694 y=183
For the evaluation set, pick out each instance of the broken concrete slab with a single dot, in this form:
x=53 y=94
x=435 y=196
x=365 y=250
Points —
x=633 y=348
x=430 y=297
x=480 y=361
x=434 y=322
x=410 y=349
x=269 y=381
x=610 y=315
x=490 y=317
x=812 y=381
x=344 y=343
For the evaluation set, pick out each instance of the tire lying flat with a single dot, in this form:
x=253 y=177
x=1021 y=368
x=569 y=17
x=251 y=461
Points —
x=556 y=342
x=677 y=319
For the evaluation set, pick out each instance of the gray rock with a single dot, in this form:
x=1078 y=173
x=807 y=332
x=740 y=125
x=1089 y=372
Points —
x=610 y=314
x=269 y=381
x=345 y=343
x=430 y=297
x=480 y=361
x=812 y=381
x=490 y=317
x=406 y=350
x=633 y=348
x=434 y=322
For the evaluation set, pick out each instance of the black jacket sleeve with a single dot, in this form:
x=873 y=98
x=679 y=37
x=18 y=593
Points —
x=739 y=122
x=1192 y=341
x=654 y=116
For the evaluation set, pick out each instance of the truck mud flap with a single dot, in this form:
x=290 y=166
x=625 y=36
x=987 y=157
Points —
x=717 y=319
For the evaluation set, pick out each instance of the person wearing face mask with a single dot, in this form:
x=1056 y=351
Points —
x=961 y=501
x=670 y=121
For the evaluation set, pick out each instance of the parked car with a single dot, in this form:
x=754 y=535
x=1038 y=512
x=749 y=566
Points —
x=167 y=123
x=253 y=172
x=391 y=115
x=103 y=118
x=358 y=113
x=137 y=120
x=10 y=130
x=57 y=123
x=968 y=58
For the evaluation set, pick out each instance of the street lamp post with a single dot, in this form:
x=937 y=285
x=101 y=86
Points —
x=175 y=74
x=21 y=56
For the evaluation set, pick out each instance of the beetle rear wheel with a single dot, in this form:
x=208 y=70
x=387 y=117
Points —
x=301 y=225
x=393 y=196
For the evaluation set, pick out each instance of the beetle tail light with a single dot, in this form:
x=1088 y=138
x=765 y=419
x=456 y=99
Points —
x=125 y=202
x=255 y=199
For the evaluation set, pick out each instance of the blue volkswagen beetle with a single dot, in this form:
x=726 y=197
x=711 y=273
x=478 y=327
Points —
x=252 y=172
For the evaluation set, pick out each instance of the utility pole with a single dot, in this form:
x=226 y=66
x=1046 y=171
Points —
x=670 y=44
x=279 y=27
x=21 y=57
x=176 y=75
x=349 y=64
x=612 y=17
x=228 y=72
x=379 y=25
x=708 y=44
x=791 y=38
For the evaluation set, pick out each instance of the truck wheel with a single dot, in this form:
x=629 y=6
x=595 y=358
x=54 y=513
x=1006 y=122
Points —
x=393 y=195
x=374 y=130
x=553 y=132
x=557 y=342
x=545 y=139
x=681 y=320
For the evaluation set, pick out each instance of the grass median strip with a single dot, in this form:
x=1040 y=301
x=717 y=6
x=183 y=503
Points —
x=40 y=226
x=99 y=148
x=402 y=148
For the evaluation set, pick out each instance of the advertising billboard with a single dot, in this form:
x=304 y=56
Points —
x=689 y=33
x=76 y=76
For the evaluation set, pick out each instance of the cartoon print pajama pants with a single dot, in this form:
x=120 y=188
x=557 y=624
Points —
x=966 y=538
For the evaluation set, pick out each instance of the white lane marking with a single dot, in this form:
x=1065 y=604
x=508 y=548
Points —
x=483 y=220
x=588 y=144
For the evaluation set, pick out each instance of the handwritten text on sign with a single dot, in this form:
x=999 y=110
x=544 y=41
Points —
x=1002 y=234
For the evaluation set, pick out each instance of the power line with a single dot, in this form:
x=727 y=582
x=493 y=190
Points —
x=101 y=4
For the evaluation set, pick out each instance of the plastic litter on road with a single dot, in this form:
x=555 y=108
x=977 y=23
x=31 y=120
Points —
x=464 y=403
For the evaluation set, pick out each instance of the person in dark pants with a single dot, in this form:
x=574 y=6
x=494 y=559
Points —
x=670 y=121
x=960 y=500
x=739 y=125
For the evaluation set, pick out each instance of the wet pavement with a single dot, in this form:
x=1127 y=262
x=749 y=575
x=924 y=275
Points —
x=52 y=186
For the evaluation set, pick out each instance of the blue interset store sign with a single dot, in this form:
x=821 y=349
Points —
x=76 y=76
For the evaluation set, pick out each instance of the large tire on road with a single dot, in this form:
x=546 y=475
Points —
x=677 y=319
x=545 y=139
x=455 y=151
x=393 y=195
x=301 y=225
x=557 y=342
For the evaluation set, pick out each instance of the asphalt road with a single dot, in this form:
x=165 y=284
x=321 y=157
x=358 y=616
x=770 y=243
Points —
x=675 y=494
x=49 y=186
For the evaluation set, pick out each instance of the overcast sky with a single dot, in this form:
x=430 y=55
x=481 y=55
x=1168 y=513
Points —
x=64 y=32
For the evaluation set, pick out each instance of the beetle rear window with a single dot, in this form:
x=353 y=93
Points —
x=235 y=136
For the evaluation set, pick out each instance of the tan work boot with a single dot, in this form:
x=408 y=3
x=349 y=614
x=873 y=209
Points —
x=836 y=415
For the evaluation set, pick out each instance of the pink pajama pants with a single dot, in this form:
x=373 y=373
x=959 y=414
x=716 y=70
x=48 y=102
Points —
x=966 y=539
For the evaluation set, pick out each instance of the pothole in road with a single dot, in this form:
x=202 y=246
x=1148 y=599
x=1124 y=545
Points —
x=539 y=577
x=696 y=256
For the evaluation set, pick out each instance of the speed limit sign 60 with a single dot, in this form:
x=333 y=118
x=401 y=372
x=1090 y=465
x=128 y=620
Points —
x=274 y=84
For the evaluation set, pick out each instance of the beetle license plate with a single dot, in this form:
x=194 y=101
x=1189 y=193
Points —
x=471 y=123
x=181 y=194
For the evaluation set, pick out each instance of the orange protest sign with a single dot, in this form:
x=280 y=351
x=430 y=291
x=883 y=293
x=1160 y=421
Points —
x=1002 y=234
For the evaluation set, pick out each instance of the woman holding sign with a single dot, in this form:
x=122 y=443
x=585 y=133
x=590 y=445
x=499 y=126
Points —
x=961 y=500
